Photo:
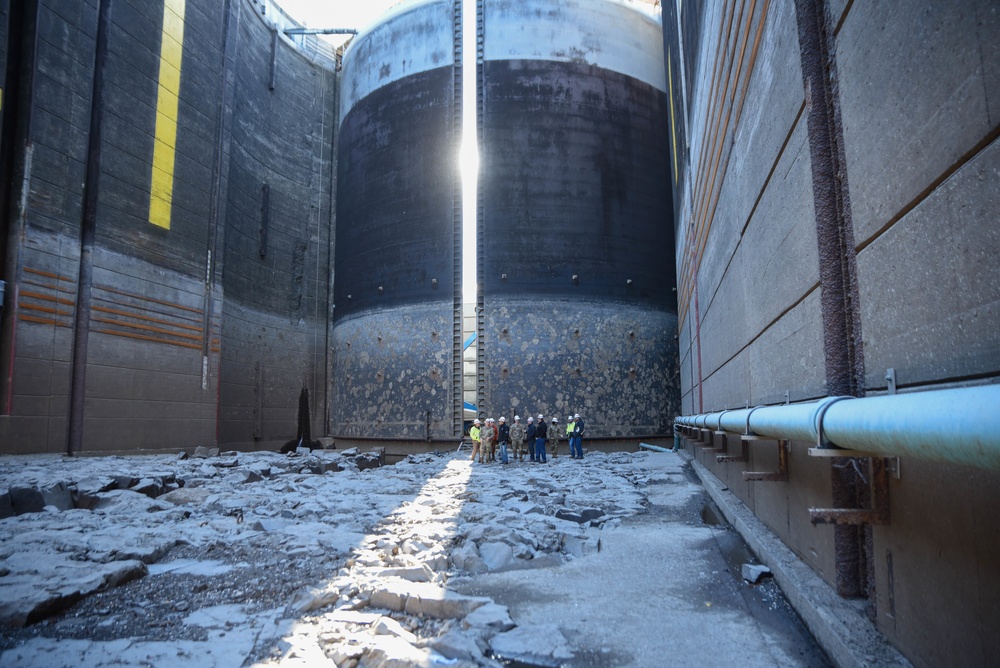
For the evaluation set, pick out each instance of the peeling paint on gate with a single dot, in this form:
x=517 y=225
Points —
x=616 y=366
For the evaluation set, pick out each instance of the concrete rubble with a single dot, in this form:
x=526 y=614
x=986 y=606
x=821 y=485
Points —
x=752 y=573
x=325 y=558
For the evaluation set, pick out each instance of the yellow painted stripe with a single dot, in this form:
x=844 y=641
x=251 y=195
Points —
x=673 y=129
x=161 y=191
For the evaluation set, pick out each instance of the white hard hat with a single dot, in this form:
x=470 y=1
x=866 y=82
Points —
x=503 y=419
x=555 y=419
x=540 y=416
x=570 y=417
x=517 y=417
x=577 y=415
x=476 y=421
x=531 y=419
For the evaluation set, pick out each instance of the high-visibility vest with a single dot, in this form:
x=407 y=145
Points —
x=474 y=433
x=570 y=427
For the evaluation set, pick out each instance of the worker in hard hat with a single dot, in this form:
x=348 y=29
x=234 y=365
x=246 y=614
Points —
x=541 y=435
x=474 y=434
x=576 y=441
x=503 y=437
x=517 y=436
x=529 y=437
x=487 y=434
x=553 y=437
x=570 y=426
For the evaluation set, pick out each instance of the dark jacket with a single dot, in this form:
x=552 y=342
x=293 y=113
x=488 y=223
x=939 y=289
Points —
x=504 y=433
x=578 y=429
x=541 y=430
x=530 y=433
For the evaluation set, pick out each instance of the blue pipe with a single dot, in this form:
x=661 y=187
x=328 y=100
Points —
x=957 y=426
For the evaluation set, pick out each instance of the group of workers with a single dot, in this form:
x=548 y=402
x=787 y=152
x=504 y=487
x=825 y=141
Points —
x=490 y=438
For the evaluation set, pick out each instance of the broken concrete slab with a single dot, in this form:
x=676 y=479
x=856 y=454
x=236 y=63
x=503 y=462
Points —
x=496 y=556
x=491 y=616
x=752 y=573
x=466 y=557
x=421 y=598
x=24 y=600
x=151 y=487
x=6 y=506
x=26 y=500
x=456 y=645
x=388 y=626
x=186 y=496
x=538 y=644
x=58 y=495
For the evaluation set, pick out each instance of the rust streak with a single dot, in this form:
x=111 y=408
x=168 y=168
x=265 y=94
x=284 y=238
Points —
x=48 y=274
x=48 y=298
x=43 y=321
x=45 y=309
x=154 y=339
x=150 y=299
x=48 y=286
x=696 y=248
x=127 y=314
x=147 y=328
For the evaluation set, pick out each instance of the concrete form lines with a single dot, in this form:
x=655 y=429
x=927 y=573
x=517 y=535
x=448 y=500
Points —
x=43 y=309
x=760 y=195
x=990 y=137
x=125 y=318
x=709 y=196
x=763 y=330
x=708 y=152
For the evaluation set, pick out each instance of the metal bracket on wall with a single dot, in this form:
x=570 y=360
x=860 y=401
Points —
x=722 y=446
x=878 y=513
x=890 y=380
x=705 y=438
x=781 y=475
x=742 y=457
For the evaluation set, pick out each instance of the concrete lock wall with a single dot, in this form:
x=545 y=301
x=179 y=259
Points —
x=913 y=182
x=278 y=238
x=178 y=296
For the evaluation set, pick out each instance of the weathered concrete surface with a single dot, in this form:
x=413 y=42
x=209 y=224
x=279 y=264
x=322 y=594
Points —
x=919 y=89
x=915 y=89
x=839 y=625
x=162 y=338
x=373 y=567
x=613 y=36
x=669 y=585
x=392 y=368
x=937 y=316
x=617 y=367
x=423 y=31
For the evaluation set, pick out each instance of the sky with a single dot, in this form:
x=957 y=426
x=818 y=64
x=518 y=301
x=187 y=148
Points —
x=336 y=13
